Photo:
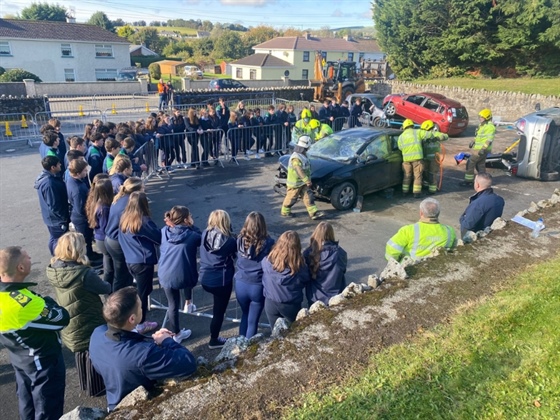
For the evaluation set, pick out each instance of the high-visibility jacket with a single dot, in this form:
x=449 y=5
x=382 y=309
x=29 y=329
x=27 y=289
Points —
x=432 y=142
x=410 y=144
x=484 y=136
x=325 y=131
x=293 y=180
x=419 y=240
x=162 y=88
x=303 y=129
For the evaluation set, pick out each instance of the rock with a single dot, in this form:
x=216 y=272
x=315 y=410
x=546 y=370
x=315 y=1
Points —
x=222 y=367
x=394 y=269
x=138 y=395
x=481 y=234
x=280 y=325
x=460 y=242
x=256 y=339
x=498 y=224
x=336 y=300
x=303 y=313
x=469 y=237
x=317 y=307
x=554 y=199
x=373 y=281
x=533 y=208
x=202 y=361
x=352 y=290
x=407 y=261
x=522 y=213
x=543 y=204
x=366 y=287
x=232 y=349
x=85 y=413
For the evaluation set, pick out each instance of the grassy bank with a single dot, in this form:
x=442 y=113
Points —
x=495 y=359
x=531 y=86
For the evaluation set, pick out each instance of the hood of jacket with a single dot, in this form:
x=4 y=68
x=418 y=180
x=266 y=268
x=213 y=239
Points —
x=43 y=176
x=178 y=234
x=214 y=240
x=62 y=274
x=251 y=252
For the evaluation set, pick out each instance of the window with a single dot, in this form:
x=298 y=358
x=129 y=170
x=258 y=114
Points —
x=105 y=75
x=305 y=74
x=5 y=48
x=306 y=56
x=252 y=74
x=66 y=50
x=103 y=51
x=350 y=56
x=69 y=75
x=239 y=73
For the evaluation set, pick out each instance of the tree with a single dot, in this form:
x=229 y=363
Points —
x=17 y=75
x=229 y=45
x=293 y=32
x=100 y=19
x=139 y=23
x=126 y=31
x=258 y=35
x=44 y=11
x=155 y=23
x=118 y=22
x=155 y=71
x=150 y=38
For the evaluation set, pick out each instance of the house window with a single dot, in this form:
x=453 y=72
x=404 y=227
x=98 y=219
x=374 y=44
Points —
x=239 y=73
x=66 y=50
x=69 y=75
x=102 y=50
x=305 y=74
x=252 y=74
x=361 y=56
x=5 y=48
x=350 y=56
x=306 y=56
x=105 y=75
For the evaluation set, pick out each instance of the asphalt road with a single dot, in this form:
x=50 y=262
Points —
x=239 y=190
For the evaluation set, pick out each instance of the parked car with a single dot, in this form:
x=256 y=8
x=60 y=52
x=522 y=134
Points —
x=221 y=84
x=193 y=71
x=538 y=152
x=127 y=74
x=372 y=105
x=350 y=163
x=449 y=116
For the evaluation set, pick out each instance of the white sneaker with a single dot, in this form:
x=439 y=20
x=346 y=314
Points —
x=261 y=151
x=250 y=152
x=182 y=335
x=189 y=308
x=257 y=156
x=246 y=157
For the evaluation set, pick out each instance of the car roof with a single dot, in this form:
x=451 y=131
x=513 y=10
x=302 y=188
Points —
x=552 y=113
x=368 y=131
x=438 y=97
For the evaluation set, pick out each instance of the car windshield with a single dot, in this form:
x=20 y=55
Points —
x=341 y=147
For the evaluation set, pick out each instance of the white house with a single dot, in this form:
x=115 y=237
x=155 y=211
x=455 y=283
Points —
x=60 y=51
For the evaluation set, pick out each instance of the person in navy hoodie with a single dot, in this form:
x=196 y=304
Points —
x=253 y=244
x=122 y=277
x=139 y=236
x=327 y=263
x=98 y=205
x=355 y=112
x=177 y=269
x=285 y=275
x=217 y=254
x=194 y=130
x=96 y=155
x=113 y=148
x=120 y=171
x=53 y=199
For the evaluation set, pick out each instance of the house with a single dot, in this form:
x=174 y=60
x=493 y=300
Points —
x=294 y=57
x=202 y=34
x=61 y=51
x=140 y=51
x=174 y=68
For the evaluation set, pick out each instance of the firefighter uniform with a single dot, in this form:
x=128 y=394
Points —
x=410 y=144
x=299 y=172
x=29 y=329
x=302 y=128
x=420 y=239
x=483 y=140
x=324 y=131
x=432 y=147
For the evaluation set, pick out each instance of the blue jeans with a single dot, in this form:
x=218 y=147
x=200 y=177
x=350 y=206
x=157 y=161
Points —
x=251 y=299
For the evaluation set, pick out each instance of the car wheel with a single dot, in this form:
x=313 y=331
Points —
x=390 y=109
x=550 y=176
x=343 y=196
x=436 y=128
x=379 y=122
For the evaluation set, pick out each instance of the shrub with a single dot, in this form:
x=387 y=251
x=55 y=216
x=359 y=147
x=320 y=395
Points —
x=2 y=71
x=155 y=71
x=17 y=75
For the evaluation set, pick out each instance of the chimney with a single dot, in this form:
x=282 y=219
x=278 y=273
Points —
x=70 y=19
x=307 y=35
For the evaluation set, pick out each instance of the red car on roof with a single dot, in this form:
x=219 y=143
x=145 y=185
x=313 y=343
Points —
x=449 y=116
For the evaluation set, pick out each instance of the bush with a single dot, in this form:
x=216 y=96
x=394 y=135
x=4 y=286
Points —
x=17 y=75
x=155 y=71
x=2 y=71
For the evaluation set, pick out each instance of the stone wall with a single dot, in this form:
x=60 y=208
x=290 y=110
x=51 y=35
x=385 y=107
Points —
x=508 y=105
x=85 y=88
x=288 y=93
x=21 y=105
x=12 y=89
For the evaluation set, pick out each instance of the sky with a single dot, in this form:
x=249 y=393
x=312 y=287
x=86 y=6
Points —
x=300 y=14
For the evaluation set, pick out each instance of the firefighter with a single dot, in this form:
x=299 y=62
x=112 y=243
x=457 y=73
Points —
x=410 y=144
x=481 y=146
x=304 y=126
x=422 y=238
x=323 y=131
x=298 y=183
x=432 y=146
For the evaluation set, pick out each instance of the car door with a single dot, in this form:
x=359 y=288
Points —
x=394 y=161
x=410 y=107
x=373 y=174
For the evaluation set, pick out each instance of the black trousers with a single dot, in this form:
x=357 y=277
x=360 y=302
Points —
x=275 y=310
x=108 y=269
x=122 y=277
x=144 y=275
x=221 y=294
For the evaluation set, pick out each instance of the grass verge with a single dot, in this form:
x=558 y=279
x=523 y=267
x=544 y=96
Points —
x=496 y=359
x=525 y=85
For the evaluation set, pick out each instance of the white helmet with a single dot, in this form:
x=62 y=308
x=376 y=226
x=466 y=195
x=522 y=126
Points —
x=304 y=141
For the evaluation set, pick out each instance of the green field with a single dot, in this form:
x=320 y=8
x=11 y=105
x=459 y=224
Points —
x=181 y=30
x=545 y=87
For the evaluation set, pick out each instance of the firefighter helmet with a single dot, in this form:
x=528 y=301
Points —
x=427 y=125
x=407 y=123
x=486 y=114
x=304 y=141
x=306 y=113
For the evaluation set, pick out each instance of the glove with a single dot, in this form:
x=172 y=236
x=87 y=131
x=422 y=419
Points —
x=482 y=152
x=471 y=144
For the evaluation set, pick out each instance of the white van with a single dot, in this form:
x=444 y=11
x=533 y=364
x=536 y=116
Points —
x=193 y=71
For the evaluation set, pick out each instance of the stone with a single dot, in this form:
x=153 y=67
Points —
x=303 y=313
x=373 y=281
x=138 y=395
x=469 y=237
x=460 y=242
x=543 y=204
x=336 y=300
x=554 y=199
x=407 y=261
x=85 y=413
x=522 y=213
x=498 y=224
x=232 y=349
x=280 y=325
x=202 y=361
x=222 y=367
x=366 y=287
x=317 y=307
x=352 y=290
x=533 y=208
x=393 y=269
x=481 y=234
x=257 y=338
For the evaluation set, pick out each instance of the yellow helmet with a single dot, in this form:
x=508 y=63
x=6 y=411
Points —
x=407 y=123
x=427 y=125
x=486 y=114
x=306 y=113
x=314 y=124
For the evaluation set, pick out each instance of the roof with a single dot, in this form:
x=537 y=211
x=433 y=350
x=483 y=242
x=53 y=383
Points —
x=145 y=50
x=262 y=60
x=61 y=31
x=318 y=44
x=171 y=63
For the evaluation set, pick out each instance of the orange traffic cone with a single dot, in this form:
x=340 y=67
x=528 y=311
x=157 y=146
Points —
x=23 y=122
x=8 y=131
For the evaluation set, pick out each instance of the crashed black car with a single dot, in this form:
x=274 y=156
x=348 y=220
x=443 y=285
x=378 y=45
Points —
x=350 y=163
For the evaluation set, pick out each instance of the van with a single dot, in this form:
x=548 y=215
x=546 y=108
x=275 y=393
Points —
x=193 y=71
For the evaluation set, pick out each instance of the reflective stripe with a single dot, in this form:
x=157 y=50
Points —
x=394 y=245
x=414 y=248
x=450 y=241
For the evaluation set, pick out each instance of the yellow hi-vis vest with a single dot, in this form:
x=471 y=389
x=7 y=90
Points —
x=410 y=144
x=432 y=144
x=419 y=240
x=18 y=308
x=293 y=180
x=484 y=136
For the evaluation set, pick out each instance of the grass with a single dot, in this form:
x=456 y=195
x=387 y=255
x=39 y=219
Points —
x=497 y=359
x=545 y=87
x=181 y=30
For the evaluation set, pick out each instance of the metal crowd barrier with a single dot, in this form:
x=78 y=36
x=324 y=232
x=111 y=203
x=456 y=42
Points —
x=18 y=126
x=244 y=142
x=71 y=124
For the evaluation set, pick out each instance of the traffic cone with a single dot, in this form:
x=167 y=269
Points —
x=113 y=109
x=147 y=107
x=81 y=111
x=8 y=131
x=23 y=122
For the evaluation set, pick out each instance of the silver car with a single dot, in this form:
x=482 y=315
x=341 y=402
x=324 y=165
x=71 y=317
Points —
x=538 y=155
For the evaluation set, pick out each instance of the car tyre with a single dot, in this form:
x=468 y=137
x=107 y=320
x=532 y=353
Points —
x=436 y=128
x=343 y=196
x=550 y=176
x=390 y=110
x=379 y=122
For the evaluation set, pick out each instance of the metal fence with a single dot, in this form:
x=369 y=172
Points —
x=17 y=127
x=71 y=124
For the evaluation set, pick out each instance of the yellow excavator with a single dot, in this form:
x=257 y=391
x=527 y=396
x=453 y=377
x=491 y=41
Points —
x=335 y=79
